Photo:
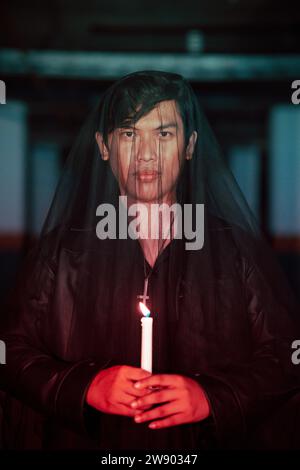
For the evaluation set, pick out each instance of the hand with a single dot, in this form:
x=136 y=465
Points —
x=183 y=399
x=112 y=391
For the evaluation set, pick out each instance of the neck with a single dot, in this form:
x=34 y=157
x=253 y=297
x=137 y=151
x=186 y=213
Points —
x=156 y=232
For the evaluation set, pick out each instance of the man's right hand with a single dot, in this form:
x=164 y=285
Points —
x=112 y=390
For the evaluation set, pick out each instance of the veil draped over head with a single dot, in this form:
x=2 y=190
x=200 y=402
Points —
x=171 y=157
x=146 y=146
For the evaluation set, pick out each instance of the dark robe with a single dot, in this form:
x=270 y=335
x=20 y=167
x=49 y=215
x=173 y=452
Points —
x=216 y=324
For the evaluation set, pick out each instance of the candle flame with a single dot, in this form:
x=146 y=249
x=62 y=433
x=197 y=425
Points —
x=145 y=310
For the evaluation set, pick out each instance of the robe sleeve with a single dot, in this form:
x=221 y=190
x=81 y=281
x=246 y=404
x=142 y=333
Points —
x=32 y=373
x=243 y=394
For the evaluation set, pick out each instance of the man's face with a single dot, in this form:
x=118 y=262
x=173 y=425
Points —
x=146 y=159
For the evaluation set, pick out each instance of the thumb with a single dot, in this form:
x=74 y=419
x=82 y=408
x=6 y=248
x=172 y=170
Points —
x=136 y=373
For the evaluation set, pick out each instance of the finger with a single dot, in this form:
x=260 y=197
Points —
x=123 y=410
x=126 y=399
x=168 y=422
x=159 y=412
x=153 y=388
x=136 y=373
x=153 y=398
x=135 y=392
x=158 y=380
x=143 y=408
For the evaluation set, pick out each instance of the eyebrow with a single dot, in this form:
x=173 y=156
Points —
x=163 y=126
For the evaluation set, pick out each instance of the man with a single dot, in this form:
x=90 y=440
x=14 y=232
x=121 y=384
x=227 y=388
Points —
x=112 y=390
x=222 y=318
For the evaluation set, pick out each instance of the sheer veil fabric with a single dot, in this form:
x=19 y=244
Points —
x=221 y=307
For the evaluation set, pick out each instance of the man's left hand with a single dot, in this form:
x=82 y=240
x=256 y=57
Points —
x=182 y=401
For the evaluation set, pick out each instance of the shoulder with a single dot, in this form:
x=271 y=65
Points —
x=232 y=247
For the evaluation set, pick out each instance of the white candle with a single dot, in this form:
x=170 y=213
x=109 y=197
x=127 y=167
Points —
x=146 y=346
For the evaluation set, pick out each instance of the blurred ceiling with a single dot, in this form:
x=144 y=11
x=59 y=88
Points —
x=228 y=26
x=202 y=40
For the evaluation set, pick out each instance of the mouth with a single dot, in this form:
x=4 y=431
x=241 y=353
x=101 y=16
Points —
x=147 y=175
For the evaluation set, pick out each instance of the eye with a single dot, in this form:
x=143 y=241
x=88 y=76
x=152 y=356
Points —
x=128 y=134
x=165 y=133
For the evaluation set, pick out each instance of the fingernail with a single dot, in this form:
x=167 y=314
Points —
x=137 y=385
x=137 y=418
x=134 y=404
x=152 y=426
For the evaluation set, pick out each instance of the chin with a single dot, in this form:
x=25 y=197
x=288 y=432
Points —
x=144 y=196
x=148 y=194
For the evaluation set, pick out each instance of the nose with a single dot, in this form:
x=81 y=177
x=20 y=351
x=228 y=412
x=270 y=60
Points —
x=146 y=149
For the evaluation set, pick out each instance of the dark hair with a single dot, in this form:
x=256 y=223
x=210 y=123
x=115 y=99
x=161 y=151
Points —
x=143 y=90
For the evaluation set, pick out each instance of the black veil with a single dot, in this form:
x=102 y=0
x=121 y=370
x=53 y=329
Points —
x=89 y=180
x=149 y=141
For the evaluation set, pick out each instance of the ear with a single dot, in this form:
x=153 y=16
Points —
x=191 y=145
x=102 y=147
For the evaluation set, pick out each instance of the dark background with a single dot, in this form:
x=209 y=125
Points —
x=240 y=56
